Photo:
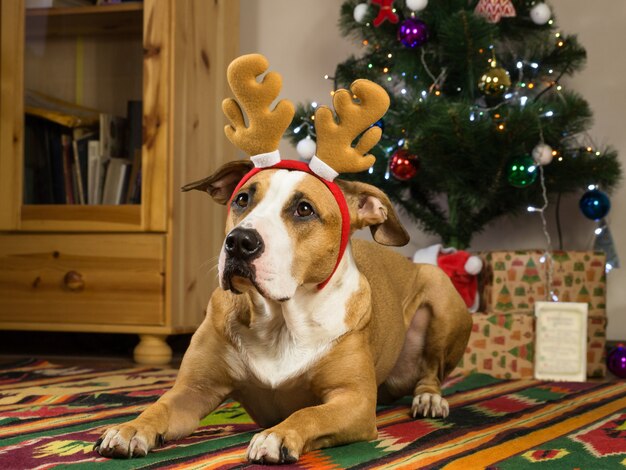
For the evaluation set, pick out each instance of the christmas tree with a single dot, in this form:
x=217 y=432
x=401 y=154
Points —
x=480 y=124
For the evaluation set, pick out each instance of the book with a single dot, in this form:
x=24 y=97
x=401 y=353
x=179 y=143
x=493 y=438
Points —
x=112 y=136
x=80 y=168
x=44 y=165
x=68 y=160
x=117 y=174
x=93 y=168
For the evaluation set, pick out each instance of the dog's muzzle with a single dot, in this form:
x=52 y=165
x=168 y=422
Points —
x=242 y=246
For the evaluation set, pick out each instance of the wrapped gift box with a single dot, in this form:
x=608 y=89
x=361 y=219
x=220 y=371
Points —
x=502 y=339
x=501 y=345
x=513 y=280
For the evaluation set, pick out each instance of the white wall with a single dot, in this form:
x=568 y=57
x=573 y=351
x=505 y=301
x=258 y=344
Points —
x=302 y=41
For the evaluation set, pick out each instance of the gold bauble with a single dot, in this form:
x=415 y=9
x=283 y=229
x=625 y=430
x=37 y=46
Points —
x=494 y=82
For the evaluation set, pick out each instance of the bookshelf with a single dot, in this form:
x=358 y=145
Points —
x=141 y=268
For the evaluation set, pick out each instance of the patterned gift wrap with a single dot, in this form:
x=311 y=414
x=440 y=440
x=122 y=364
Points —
x=501 y=345
x=596 y=346
x=514 y=280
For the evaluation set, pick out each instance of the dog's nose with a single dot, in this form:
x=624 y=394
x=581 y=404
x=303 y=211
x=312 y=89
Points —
x=244 y=244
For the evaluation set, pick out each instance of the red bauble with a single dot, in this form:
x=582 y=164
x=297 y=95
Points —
x=403 y=165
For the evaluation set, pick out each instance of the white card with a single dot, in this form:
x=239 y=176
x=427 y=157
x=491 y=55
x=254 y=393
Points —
x=561 y=341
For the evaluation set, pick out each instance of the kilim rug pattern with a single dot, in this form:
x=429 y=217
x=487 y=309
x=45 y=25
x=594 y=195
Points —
x=51 y=415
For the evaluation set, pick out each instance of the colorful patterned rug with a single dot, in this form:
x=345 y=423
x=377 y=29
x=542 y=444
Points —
x=51 y=415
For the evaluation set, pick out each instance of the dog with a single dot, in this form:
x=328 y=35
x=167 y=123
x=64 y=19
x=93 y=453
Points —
x=307 y=330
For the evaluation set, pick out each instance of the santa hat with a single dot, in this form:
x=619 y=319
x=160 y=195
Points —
x=460 y=266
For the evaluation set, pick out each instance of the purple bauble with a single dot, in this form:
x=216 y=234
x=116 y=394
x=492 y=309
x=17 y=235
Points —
x=616 y=361
x=413 y=32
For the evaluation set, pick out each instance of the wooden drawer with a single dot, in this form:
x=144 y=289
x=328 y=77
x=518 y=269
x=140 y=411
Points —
x=82 y=279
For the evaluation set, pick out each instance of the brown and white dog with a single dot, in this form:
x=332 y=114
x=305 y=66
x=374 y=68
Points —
x=308 y=364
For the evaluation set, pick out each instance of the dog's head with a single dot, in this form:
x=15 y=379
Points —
x=289 y=223
x=283 y=227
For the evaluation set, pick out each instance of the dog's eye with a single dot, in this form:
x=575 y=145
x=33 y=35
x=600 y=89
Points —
x=304 y=209
x=242 y=200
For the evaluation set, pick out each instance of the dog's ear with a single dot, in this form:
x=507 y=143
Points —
x=370 y=207
x=221 y=184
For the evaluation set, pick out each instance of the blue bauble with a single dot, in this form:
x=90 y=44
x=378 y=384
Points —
x=595 y=204
x=616 y=361
x=413 y=32
x=380 y=123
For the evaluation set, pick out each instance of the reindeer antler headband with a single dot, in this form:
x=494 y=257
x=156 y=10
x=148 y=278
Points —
x=260 y=139
x=335 y=153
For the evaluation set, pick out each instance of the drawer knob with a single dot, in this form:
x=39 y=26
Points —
x=74 y=281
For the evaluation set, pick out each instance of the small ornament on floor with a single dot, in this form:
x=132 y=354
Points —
x=616 y=361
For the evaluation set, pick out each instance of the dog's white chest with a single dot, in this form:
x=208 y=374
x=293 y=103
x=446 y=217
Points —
x=282 y=359
x=286 y=340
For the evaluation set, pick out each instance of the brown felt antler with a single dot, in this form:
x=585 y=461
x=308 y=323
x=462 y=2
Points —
x=265 y=126
x=334 y=139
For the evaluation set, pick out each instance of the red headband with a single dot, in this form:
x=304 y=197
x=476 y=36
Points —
x=294 y=165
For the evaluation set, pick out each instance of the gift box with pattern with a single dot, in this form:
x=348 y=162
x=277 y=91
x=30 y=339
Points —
x=501 y=345
x=502 y=339
x=514 y=280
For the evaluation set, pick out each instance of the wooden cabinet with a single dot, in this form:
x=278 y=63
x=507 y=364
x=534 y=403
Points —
x=142 y=268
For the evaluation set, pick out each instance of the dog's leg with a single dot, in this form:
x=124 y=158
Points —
x=347 y=414
x=200 y=387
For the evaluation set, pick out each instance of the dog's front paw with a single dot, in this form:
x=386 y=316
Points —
x=128 y=440
x=272 y=446
x=432 y=403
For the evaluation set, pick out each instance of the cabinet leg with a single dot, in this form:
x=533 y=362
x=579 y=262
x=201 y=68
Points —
x=152 y=350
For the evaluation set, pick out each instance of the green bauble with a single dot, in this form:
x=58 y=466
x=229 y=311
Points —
x=522 y=171
x=494 y=82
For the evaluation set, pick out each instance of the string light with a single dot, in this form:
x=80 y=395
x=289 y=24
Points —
x=365 y=42
x=314 y=104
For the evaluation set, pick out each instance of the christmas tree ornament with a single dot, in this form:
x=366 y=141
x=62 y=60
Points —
x=416 y=5
x=306 y=148
x=495 y=81
x=542 y=154
x=360 y=12
x=595 y=204
x=413 y=32
x=616 y=361
x=494 y=10
x=522 y=171
x=385 y=13
x=403 y=165
x=540 y=13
